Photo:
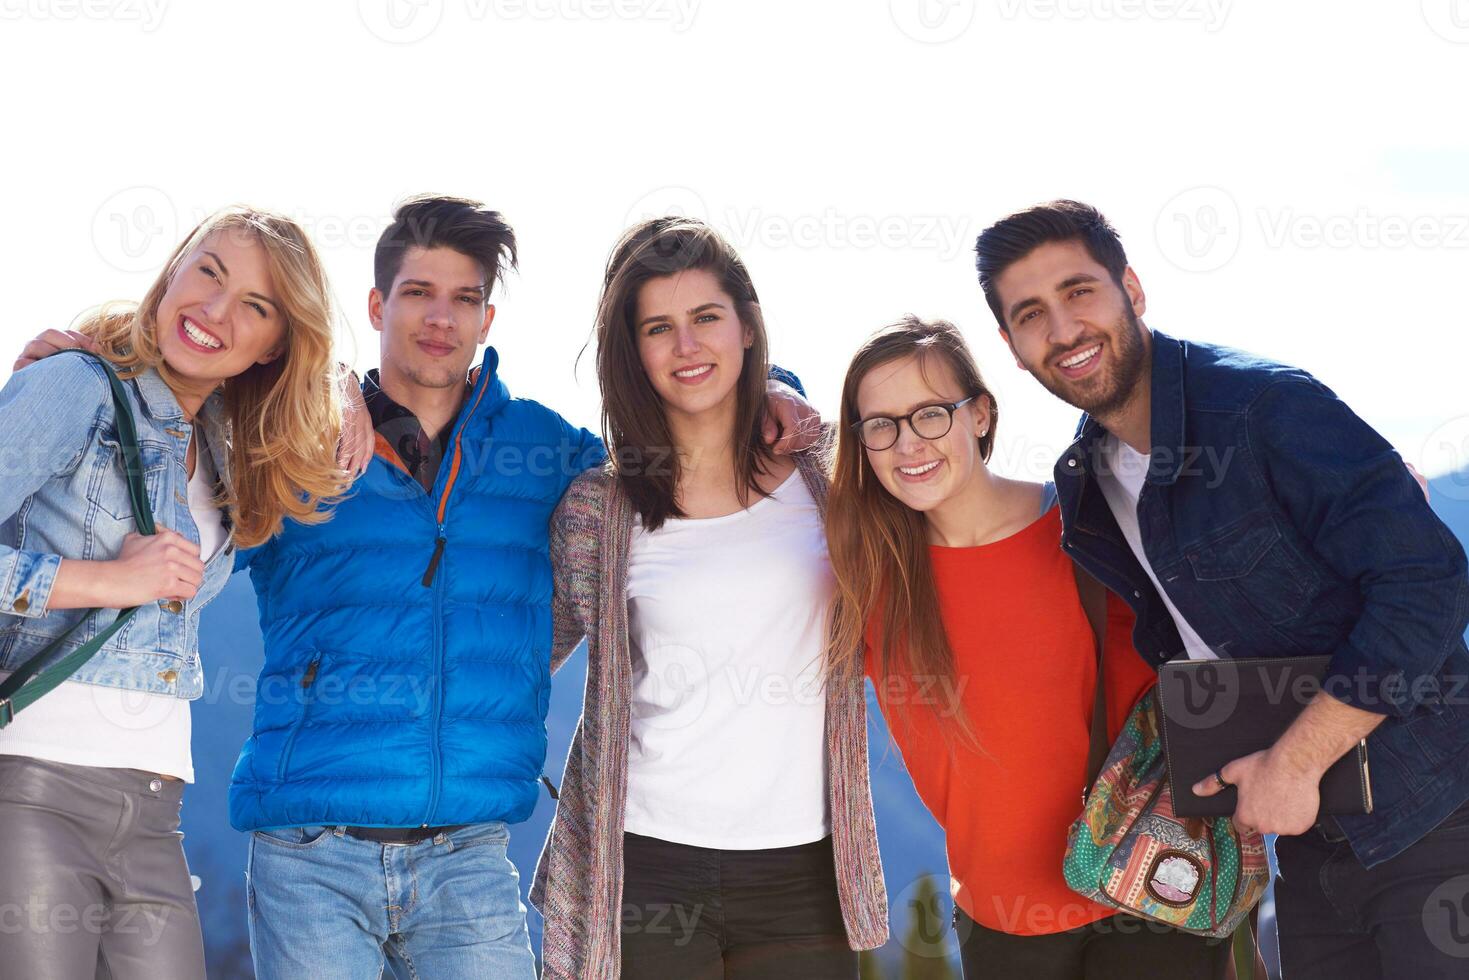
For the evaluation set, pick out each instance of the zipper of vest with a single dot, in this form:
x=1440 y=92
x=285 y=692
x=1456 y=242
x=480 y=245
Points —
x=433 y=562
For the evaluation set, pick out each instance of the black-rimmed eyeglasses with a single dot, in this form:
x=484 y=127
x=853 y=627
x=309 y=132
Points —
x=927 y=422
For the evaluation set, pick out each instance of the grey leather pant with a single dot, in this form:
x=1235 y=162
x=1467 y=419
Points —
x=93 y=881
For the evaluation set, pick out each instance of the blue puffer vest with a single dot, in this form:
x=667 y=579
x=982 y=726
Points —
x=408 y=639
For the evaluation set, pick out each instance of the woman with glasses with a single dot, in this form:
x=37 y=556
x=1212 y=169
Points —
x=952 y=582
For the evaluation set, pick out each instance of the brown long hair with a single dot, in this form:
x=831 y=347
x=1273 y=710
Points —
x=634 y=426
x=879 y=545
x=283 y=417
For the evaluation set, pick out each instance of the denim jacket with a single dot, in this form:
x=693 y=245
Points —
x=1281 y=524
x=63 y=493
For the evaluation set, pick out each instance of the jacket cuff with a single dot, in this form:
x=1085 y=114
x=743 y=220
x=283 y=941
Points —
x=1371 y=685
x=28 y=590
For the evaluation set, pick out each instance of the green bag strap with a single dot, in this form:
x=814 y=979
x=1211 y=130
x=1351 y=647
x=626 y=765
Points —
x=29 y=683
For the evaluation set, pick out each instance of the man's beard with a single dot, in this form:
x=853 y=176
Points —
x=1128 y=356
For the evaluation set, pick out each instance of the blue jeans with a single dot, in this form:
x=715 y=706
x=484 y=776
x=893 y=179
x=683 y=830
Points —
x=327 y=906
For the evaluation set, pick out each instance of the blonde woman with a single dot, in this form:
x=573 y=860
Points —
x=227 y=371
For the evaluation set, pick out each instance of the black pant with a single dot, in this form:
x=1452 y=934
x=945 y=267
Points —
x=1122 y=947
x=696 y=913
x=1407 y=917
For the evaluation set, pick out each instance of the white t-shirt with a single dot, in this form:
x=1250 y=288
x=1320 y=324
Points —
x=111 y=728
x=1122 y=487
x=727 y=618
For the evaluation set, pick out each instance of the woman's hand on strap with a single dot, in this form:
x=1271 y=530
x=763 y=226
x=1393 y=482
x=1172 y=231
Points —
x=150 y=567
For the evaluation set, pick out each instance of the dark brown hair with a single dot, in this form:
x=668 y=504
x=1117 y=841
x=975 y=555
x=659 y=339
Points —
x=879 y=545
x=1015 y=236
x=434 y=221
x=634 y=425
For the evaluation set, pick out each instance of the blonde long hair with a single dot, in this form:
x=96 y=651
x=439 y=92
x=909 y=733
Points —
x=283 y=417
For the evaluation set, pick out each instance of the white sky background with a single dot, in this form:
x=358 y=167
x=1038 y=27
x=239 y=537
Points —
x=1291 y=178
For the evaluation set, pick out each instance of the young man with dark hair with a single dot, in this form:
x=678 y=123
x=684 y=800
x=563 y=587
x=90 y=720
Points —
x=400 y=716
x=413 y=633
x=1242 y=509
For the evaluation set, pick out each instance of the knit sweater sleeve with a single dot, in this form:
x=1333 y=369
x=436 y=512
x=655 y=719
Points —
x=576 y=535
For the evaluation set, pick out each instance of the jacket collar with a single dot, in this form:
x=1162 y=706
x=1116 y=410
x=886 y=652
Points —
x=1168 y=407
x=158 y=397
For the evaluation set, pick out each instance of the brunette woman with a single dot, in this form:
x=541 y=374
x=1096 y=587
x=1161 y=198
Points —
x=715 y=818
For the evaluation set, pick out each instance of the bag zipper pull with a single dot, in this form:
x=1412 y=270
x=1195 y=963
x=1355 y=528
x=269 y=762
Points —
x=550 y=788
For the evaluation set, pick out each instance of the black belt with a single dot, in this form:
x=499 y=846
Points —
x=400 y=835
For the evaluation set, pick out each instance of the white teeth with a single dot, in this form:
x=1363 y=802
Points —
x=693 y=372
x=198 y=336
x=1077 y=360
x=918 y=470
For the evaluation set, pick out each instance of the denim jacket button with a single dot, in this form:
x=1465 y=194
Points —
x=174 y=606
x=21 y=604
x=169 y=676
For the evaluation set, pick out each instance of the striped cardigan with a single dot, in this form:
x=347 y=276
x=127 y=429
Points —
x=578 y=880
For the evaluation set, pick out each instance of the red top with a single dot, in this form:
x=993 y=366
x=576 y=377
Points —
x=1025 y=668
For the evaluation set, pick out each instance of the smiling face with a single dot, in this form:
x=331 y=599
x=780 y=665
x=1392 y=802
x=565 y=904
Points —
x=923 y=473
x=432 y=319
x=220 y=314
x=691 y=342
x=1073 y=328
